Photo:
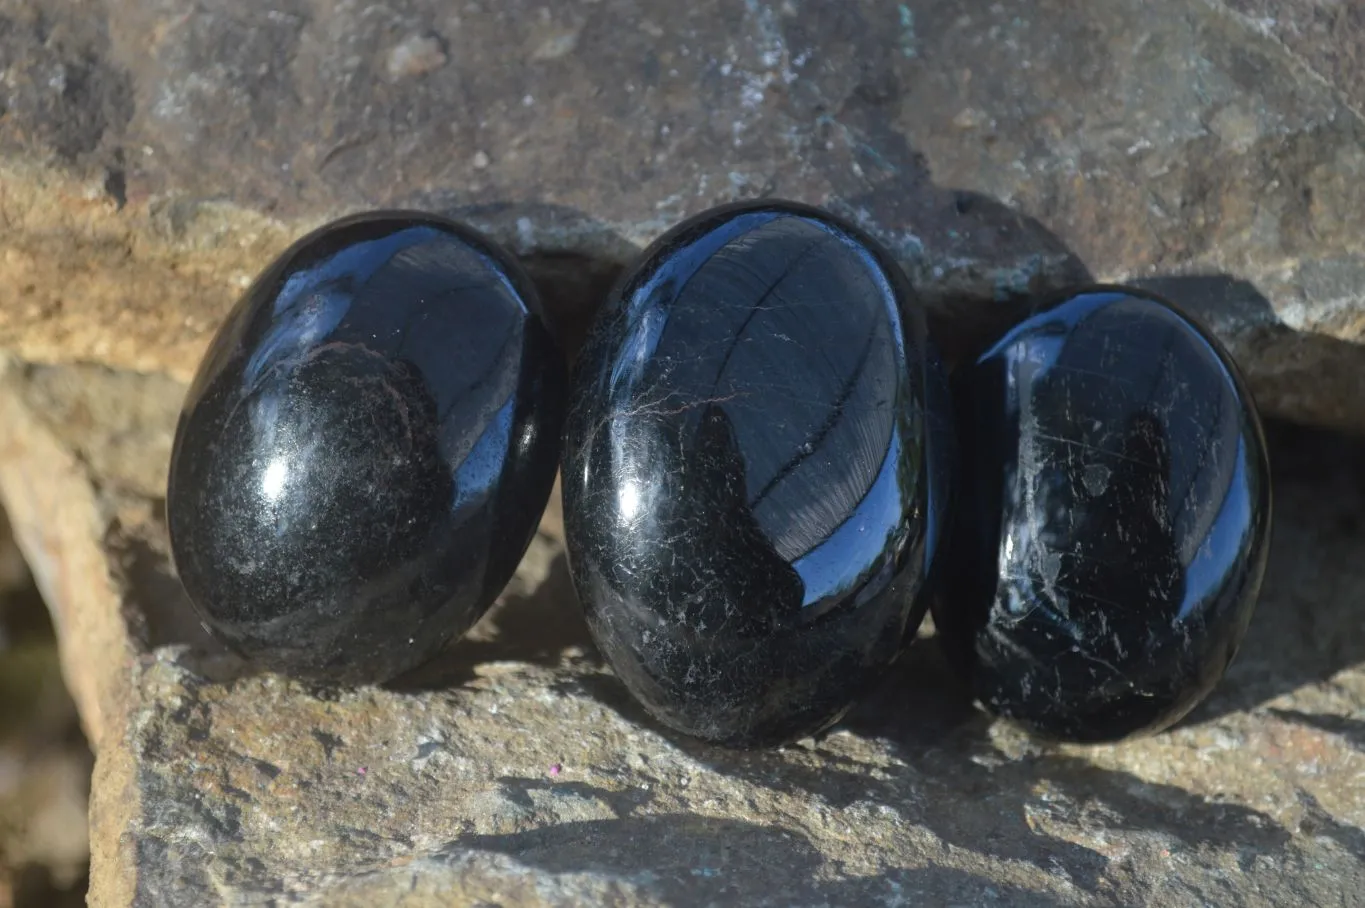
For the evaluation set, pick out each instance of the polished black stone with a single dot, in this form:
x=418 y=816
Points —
x=367 y=448
x=748 y=507
x=1112 y=522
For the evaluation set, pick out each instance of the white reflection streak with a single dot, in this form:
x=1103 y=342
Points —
x=628 y=501
x=272 y=483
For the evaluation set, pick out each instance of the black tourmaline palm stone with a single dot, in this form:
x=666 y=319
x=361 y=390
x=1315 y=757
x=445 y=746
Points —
x=749 y=505
x=367 y=448
x=1112 y=520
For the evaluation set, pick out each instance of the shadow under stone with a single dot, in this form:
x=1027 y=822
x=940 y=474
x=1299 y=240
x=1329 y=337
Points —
x=539 y=629
x=950 y=779
x=1222 y=302
x=166 y=615
x=1350 y=730
x=32 y=886
x=1319 y=822
x=692 y=860
x=1307 y=625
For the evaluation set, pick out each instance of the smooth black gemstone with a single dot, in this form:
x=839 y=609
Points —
x=367 y=448
x=748 y=504
x=1112 y=520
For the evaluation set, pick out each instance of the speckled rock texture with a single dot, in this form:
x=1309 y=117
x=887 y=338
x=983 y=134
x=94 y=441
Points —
x=154 y=155
x=517 y=771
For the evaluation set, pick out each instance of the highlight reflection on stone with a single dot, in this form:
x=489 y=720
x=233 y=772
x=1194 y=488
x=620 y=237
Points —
x=1112 y=524
x=367 y=448
x=749 y=505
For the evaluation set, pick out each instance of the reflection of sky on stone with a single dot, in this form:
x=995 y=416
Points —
x=482 y=466
x=834 y=566
x=265 y=420
x=686 y=260
x=314 y=300
x=796 y=345
x=1033 y=359
x=819 y=443
x=1207 y=521
x=298 y=331
x=832 y=556
x=648 y=318
x=637 y=349
x=1026 y=363
x=1212 y=562
x=454 y=327
x=354 y=264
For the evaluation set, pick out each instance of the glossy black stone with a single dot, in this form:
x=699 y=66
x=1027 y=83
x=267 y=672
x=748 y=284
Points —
x=749 y=509
x=1112 y=520
x=367 y=448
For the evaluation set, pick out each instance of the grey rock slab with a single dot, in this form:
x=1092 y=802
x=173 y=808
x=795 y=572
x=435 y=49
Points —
x=515 y=770
x=999 y=149
x=518 y=765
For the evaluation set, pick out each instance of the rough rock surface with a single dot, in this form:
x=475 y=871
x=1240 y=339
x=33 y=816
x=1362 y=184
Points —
x=517 y=772
x=153 y=155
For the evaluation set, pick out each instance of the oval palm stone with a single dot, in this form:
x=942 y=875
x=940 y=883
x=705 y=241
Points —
x=750 y=508
x=367 y=448
x=1113 y=518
